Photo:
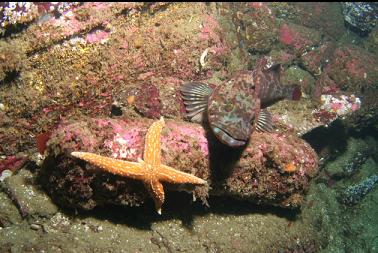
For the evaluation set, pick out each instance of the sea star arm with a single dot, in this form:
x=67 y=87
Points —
x=152 y=150
x=157 y=192
x=114 y=166
x=171 y=175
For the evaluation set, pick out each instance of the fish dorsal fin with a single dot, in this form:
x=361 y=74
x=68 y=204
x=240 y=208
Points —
x=274 y=67
x=276 y=70
x=264 y=121
x=267 y=64
x=195 y=96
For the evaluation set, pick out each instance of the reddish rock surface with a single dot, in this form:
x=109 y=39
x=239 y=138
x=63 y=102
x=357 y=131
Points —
x=322 y=16
x=99 y=55
x=273 y=169
x=282 y=57
x=12 y=163
x=256 y=26
x=315 y=60
x=298 y=38
x=353 y=68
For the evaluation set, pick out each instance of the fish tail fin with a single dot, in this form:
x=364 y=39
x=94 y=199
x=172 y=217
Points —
x=264 y=121
x=195 y=96
x=294 y=92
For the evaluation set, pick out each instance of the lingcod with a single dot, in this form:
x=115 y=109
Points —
x=237 y=107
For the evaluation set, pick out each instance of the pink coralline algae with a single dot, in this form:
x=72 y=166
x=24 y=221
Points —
x=273 y=169
x=148 y=102
x=97 y=36
x=353 y=68
x=298 y=38
x=319 y=18
x=255 y=25
x=286 y=35
x=316 y=59
x=68 y=24
x=12 y=13
x=333 y=106
x=11 y=163
x=212 y=34
x=87 y=21
x=210 y=29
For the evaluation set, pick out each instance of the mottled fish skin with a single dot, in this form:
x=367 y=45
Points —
x=234 y=108
x=270 y=89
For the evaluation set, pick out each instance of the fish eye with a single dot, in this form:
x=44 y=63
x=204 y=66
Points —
x=229 y=107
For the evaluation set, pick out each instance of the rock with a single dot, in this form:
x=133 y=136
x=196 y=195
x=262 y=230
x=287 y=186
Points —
x=274 y=169
x=367 y=115
x=352 y=160
x=30 y=201
x=361 y=16
x=296 y=75
x=321 y=16
x=282 y=57
x=256 y=26
x=96 y=55
x=371 y=44
x=22 y=13
x=11 y=60
x=298 y=38
x=8 y=212
x=315 y=60
x=354 y=72
x=353 y=68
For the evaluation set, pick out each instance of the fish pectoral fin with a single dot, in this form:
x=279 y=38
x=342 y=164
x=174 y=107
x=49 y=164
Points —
x=199 y=117
x=264 y=121
x=195 y=96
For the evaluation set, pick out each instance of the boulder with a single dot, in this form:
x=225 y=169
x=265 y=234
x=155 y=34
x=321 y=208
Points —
x=273 y=169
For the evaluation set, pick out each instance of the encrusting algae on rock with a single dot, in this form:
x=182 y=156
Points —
x=256 y=173
x=128 y=61
x=150 y=170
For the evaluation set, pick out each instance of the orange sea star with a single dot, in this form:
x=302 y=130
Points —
x=150 y=171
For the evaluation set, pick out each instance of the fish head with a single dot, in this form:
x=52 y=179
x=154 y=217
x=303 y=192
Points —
x=232 y=109
x=267 y=77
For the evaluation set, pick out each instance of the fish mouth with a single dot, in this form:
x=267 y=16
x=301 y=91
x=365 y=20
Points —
x=226 y=138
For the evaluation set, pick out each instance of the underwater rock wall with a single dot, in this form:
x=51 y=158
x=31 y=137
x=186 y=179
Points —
x=130 y=59
x=98 y=58
x=127 y=61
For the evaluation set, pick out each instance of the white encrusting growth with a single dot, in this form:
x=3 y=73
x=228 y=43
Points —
x=203 y=56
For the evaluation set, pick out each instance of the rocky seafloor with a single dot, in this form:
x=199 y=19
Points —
x=94 y=76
